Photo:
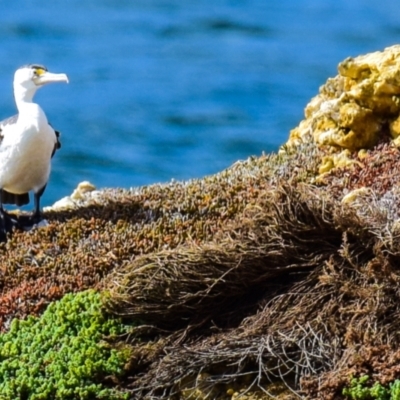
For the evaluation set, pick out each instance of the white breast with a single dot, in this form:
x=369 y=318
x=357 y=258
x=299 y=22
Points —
x=25 y=153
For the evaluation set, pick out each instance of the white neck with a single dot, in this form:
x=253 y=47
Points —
x=27 y=109
x=23 y=96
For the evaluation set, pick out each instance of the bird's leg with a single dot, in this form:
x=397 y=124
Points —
x=27 y=222
x=3 y=229
x=37 y=215
x=6 y=222
x=1 y=201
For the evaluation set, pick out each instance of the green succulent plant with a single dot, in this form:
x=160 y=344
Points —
x=360 y=390
x=62 y=354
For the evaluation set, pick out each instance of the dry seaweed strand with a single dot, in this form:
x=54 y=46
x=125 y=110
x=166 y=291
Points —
x=172 y=288
x=309 y=335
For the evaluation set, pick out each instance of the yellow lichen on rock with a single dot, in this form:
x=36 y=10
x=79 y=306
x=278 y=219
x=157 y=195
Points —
x=355 y=194
x=394 y=127
x=352 y=110
x=336 y=160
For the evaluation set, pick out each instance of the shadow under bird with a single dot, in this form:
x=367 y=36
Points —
x=27 y=144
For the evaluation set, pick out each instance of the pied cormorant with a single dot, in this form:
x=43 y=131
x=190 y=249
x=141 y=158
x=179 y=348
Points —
x=27 y=144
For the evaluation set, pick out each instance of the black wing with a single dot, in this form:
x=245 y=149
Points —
x=17 y=199
x=58 y=143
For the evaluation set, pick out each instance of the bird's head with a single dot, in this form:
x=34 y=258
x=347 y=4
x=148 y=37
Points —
x=29 y=78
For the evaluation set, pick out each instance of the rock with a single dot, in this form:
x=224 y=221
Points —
x=64 y=203
x=357 y=107
x=82 y=192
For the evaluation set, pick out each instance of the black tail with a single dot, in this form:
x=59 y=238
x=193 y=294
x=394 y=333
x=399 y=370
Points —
x=17 y=199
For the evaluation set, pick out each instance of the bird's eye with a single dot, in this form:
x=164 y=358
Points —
x=39 y=71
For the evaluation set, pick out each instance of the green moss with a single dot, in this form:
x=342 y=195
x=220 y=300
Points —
x=359 y=390
x=61 y=354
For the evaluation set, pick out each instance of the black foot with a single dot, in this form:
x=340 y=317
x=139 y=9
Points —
x=27 y=222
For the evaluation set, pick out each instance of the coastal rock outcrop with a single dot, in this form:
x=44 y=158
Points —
x=275 y=278
x=357 y=108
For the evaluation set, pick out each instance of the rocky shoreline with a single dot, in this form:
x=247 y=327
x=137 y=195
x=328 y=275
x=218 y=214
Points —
x=283 y=268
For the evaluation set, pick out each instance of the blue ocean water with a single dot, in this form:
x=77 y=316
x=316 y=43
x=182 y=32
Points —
x=163 y=89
